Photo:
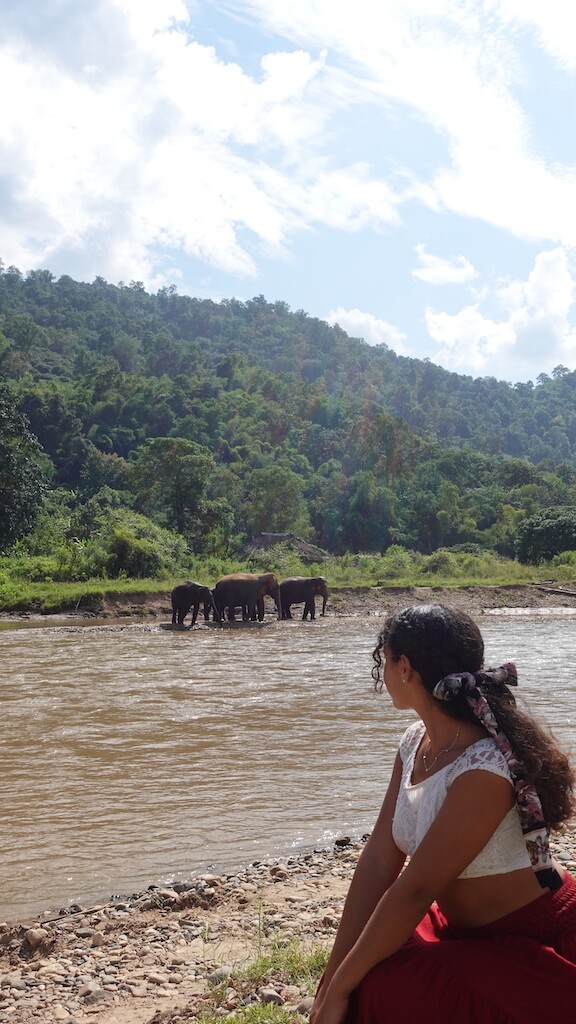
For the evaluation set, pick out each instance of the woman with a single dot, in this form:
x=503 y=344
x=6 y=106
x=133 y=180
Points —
x=480 y=926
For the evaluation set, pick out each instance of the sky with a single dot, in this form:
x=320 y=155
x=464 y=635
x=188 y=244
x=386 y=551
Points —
x=404 y=168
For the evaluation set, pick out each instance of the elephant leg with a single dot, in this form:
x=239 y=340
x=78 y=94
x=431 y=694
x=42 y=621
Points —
x=286 y=611
x=206 y=611
x=231 y=613
x=260 y=608
x=182 y=613
x=195 y=608
x=309 y=608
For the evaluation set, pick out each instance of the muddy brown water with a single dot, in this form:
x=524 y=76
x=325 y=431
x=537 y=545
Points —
x=140 y=754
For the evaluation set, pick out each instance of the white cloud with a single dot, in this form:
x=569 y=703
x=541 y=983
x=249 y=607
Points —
x=457 y=67
x=554 y=23
x=359 y=324
x=93 y=155
x=129 y=144
x=170 y=147
x=436 y=270
x=536 y=334
x=146 y=17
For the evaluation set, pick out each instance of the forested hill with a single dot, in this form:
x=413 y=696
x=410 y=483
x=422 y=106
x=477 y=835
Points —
x=60 y=328
x=301 y=427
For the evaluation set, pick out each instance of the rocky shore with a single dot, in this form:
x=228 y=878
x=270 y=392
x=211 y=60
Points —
x=155 y=957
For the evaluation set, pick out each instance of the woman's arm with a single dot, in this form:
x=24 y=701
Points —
x=378 y=866
x=475 y=805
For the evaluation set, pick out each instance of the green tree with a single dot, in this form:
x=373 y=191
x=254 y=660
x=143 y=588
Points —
x=169 y=476
x=274 y=502
x=23 y=480
x=546 y=534
x=367 y=514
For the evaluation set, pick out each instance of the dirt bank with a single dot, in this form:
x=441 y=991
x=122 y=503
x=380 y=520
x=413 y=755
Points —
x=349 y=602
x=362 y=601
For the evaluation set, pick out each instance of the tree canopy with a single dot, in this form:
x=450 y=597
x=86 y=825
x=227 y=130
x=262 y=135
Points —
x=22 y=477
x=220 y=420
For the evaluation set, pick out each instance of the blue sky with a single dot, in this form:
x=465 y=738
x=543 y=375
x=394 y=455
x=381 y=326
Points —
x=405 y=168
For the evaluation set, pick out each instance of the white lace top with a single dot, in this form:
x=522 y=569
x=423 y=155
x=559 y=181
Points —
x=418 y=804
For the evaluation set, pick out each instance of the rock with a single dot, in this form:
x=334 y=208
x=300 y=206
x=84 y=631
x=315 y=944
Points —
x=60 y=1012
x=36 y=936
x=221 y=974
x=305 y=1005
x=270 y=995
x=88 y=988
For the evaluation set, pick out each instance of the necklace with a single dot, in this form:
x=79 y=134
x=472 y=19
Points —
x=446 y=750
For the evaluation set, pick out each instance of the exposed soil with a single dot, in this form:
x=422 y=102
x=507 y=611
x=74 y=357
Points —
x=363 y=601
x=349 y=602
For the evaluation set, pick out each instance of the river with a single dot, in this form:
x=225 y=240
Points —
x=140 y=754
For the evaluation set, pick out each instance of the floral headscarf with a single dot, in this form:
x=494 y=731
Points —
x=529 y=807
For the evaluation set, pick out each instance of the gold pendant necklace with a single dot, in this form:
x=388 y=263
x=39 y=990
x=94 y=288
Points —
x=446 y=750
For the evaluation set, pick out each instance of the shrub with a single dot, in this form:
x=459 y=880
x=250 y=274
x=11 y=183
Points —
x=131 y=556
x=440 y=563
x=397 y=562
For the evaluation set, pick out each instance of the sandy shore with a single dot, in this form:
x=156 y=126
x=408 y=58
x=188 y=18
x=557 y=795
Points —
x=152 y=957
x=378 y=600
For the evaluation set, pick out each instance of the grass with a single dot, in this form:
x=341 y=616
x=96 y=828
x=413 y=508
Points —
x=396 y=568
x=91 y=595
x=286 y=962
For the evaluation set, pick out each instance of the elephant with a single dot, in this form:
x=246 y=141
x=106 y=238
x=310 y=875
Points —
x=298 y=589
x=191 y=595
x=247 y=589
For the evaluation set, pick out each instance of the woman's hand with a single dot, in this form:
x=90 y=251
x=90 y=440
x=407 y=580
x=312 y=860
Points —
x=329 y=1008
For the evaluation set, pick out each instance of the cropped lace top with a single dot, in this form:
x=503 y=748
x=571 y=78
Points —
x=418 y=804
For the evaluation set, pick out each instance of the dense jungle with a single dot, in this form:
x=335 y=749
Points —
x=154 y=435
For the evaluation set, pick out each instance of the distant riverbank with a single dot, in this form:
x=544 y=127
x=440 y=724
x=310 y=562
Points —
x=343 y=602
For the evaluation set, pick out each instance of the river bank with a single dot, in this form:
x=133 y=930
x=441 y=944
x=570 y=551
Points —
x=358 y=602
x=156 y=957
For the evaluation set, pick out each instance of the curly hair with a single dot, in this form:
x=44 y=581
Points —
x=439 y=640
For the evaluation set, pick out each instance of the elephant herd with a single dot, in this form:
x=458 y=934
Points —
x=246 y=591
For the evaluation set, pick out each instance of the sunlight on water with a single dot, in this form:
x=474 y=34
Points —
x=129 y=756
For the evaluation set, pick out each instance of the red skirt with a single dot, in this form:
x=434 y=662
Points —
x=519 y=969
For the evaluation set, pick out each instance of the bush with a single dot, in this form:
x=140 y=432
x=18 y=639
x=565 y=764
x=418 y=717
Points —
x=131 y=556
x=564 y=558
x=397 y=562
x=440 y=563
x=546 y=534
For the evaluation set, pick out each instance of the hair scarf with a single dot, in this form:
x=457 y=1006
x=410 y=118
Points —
x=529 y=807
